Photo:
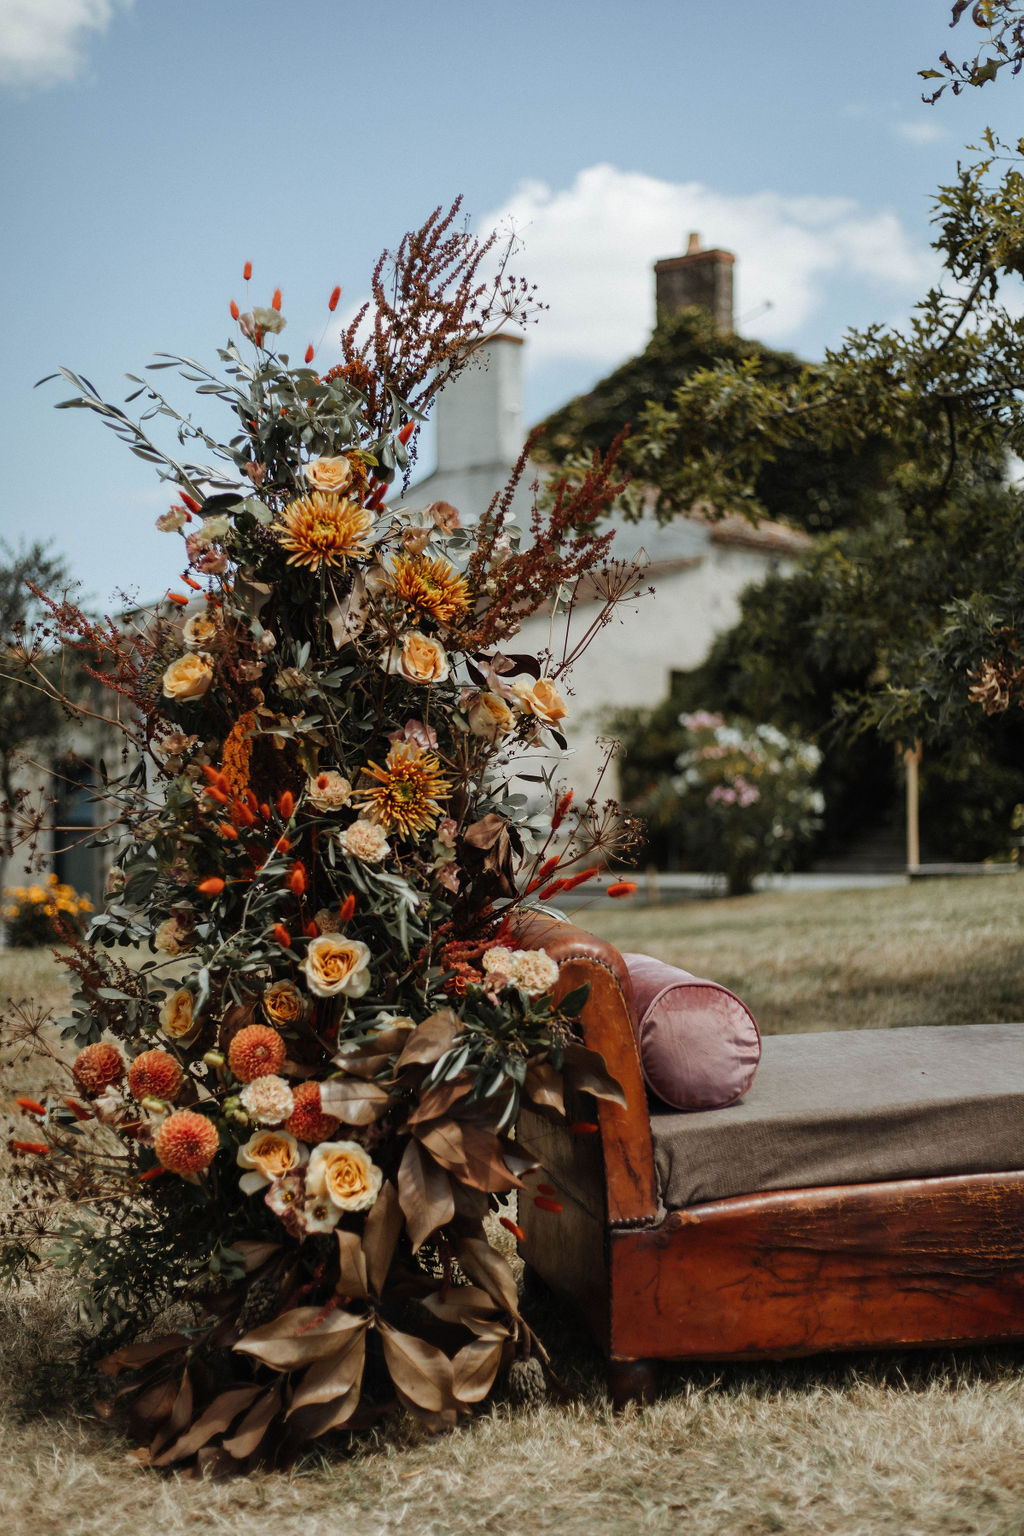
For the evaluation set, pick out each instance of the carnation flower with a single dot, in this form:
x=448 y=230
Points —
x=307 y=1120
x=266 y=1157
x=171 y=937
x=267 y=1100
x=172 y=520
x=176 y=1019
x=343 y=1172
x=337 y=967
x=364 y=840
x=185 y=1142
x=329 y=791
x=216 y=527
x=534 y=971
x=97 y=1067
x=283 y=1003
x=189 y=677
x=256 y=1051
x=154 y=1074
x=499 y=959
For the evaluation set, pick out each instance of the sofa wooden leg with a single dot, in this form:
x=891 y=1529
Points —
x=632 y=1381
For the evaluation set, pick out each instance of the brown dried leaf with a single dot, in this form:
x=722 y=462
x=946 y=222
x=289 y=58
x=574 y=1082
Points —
x=474 y=1156
x=383 y=1224
x=429 y=1040
x=424 y=1193
x=352 y=1273
x=254 y=1255
x=132 y=1356
x=179 y=1417
x=318 y=1418
x=474 y=1369
x=544 y=1086
x=254 y=1426
x=470 y=1307
x=373 y=1055
x=439 y=1100
x=585 y=1070
x=486 y=1266
x=216 y=1419
x=421 y=1372
x=348 y=618
x=354 y=1101
x=335 y=1377
x=291 y=1340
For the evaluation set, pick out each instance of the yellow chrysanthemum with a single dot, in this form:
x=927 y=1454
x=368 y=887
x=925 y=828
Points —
x=407 y=792
x=322 y=529
x=428 y=588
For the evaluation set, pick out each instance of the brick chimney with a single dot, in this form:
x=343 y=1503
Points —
x=700 y=279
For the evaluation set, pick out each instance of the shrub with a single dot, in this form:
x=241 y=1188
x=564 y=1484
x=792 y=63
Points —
x=29 y=911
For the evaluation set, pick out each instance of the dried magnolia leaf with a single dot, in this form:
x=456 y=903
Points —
x=180 y=1416
x=352 y=1265
x=440 y=1099
x=425 y=1195
x=354 y=1101
x=374 y=1055
x=421 y=1372
x=317 y=1418
x=254 y=1426
x=486 y=1266
x=214 y=1421
x=300 y=1336
x=474 y=1369
x=585 y=1070
x=474 y=1156
x=254 y=1255
x=544 y=1086
x=380 y=1235
x=348 y=618
x=335 y=1377
x=429 y=1040
x=133 y=1356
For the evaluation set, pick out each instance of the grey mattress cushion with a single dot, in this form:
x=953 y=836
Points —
x=854 y=1107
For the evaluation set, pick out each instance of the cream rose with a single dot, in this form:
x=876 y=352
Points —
x=364 y=840
x=541 y=699
x=189 y=677
x=328 y=474
x=489 y=716
x=283 y=1003
x=337 y=967
x=329 y=791
x=343 y=1172
x=176 y=1019
x=266 y=1157
x=419 y=659
x=199 y=631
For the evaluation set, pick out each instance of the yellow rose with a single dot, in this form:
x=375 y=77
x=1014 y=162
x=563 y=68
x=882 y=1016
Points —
x=337 y=967
x=420 y=659
x=267 y=1156
x=189 y=677
x=176 y=1019
x=283 y=1003
x=328 y=474
x=199 y=631
x=489 y=716
x=541 y=699
x=343 y=1172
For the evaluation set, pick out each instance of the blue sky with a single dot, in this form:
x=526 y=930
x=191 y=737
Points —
x=152 y=146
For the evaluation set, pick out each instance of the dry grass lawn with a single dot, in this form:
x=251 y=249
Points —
x=888 y=1445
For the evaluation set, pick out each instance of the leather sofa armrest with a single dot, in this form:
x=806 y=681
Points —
x=607 y=1025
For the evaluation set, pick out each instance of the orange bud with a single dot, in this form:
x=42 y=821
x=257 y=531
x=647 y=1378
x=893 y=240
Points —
x=283 y=845
x=543 y=1203
x=286 y=804
x=282 y=936
x=31 y=1106
x=216 y=793
x=264 y=810
x=78 y=1110
x=546 y=869
x=560 y=810
x=573 y=881
x=247 y=271
x=296 y=881
x=151 y=1173
x=227 y=830
x=39 y=1148
x=407 y=432
x=332 y=302
x=234 y=310
x=275 y=302
x=179 y=598
x=250 y=800
x=241 y=813
x=309 y=353
x=547 y=1189
x=510 y=1226
x=622 y=888
x=212 y=886
x=311 y=930
x=348 y=906
x=583 y=1128
x=190 y=502
x=552 y=890
x=187 y=579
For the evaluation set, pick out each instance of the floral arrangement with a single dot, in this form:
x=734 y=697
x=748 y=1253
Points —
x=747 y=796
x=30 y=911
x=287 y=1121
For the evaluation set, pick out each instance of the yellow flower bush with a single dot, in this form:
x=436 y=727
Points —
x=31 y=911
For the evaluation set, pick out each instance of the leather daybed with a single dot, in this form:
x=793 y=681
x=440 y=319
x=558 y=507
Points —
x=867 y=1192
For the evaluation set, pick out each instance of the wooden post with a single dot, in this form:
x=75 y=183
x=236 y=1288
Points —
x=911 y=758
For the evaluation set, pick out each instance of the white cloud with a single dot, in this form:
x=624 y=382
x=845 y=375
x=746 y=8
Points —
x=590 y=248
x=42 y=41
x=921 y=132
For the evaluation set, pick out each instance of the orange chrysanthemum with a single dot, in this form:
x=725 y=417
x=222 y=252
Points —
x=155 y=1074
x=97 y=1067
x=186 y=1142
x=406 y=796
x=323 y=529
x=307 y=1120
x=430 y=589
x=256 y=1051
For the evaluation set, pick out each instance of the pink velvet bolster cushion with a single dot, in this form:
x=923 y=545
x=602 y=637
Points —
x=699 y=1045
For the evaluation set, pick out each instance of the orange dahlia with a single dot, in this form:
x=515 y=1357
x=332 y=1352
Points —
x=155 y=1074
x=323 y=529
x=186 y=1142
x=97 y=1067
x=307 y=1120
x=256 y=1051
